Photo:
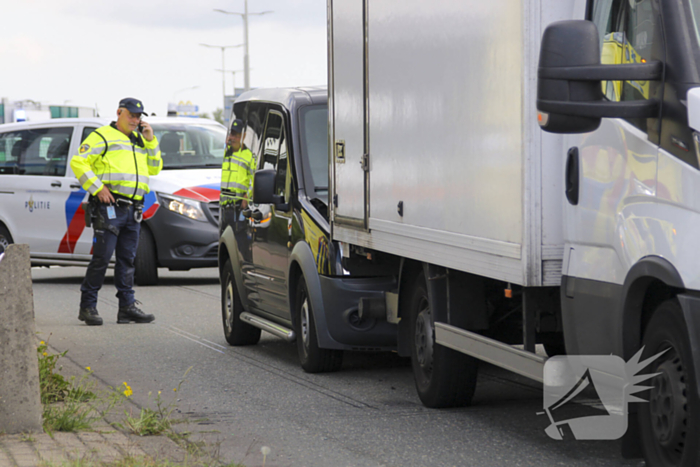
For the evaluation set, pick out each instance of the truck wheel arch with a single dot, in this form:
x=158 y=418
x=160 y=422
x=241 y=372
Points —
x=649 y=282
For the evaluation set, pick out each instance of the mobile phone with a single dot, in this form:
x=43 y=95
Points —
x=140 y=127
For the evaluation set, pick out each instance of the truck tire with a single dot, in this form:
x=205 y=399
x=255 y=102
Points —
x=236 y=331
x=670 y=422
x=443 y=377
x=5 y=239
x=313 y=358
x=146 y=262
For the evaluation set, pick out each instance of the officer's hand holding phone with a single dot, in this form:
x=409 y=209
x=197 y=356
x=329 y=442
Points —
x=146 y=130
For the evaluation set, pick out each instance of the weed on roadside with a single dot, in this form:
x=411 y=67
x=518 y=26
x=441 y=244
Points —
x=152 y=421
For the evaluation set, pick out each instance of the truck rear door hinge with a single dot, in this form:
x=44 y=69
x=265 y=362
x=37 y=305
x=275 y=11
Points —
x=364 y=162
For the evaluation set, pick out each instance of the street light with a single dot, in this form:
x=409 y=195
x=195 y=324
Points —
x=233 y=72
x=246 y=61
x=223 y=48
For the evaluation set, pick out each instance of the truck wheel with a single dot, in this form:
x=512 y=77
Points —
x=145 y=263
x=313 y=358
x=670 y=422
x=236 y=331
x=444 y=377
x=5 y=239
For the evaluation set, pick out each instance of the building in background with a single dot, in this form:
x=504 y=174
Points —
x=28 y=110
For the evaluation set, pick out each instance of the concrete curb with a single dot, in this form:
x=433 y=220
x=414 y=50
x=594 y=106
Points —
x=20 y=399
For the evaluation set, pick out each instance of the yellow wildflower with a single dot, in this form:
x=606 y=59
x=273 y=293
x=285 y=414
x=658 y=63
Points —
x=44 y=354
x=175 y=389
x=42 y=343
x=88 y=368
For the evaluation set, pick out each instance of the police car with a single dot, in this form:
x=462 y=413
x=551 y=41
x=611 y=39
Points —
x=41 y=199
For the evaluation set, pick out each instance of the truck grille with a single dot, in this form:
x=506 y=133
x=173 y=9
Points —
x=214 y=210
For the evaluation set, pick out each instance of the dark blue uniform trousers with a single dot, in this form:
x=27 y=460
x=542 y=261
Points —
x=105 y=243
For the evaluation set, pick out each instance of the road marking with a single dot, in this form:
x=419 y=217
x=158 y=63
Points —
x=196 y=341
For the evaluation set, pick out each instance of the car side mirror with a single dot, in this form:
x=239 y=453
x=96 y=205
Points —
x=569 y=90
x=264 y=190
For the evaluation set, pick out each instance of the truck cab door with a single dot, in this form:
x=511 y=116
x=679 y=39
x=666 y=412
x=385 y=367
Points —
x=611 y=183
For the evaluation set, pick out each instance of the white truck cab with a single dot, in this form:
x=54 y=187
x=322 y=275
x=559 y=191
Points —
x=41 y=199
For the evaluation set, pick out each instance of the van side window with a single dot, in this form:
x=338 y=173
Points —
x=628 y=34
x=42 y=151
x=274 y=154
x=10 y=151
x=86 y=132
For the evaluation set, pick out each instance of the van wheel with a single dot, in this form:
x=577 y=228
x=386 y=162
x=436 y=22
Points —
x=443 y=377
x=313 y=358
x=5 y=239
x=236 y=331
x=670 y=422
x=145 y=263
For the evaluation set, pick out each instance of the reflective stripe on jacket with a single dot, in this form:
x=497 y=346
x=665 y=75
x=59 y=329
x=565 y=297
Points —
x=237 y=172
x=124 y=168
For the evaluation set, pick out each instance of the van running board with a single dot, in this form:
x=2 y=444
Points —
x=492 y=351
x=268 y=326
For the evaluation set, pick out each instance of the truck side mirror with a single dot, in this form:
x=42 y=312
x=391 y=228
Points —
x=569 y=91
x=694 y=108
x=264 y=190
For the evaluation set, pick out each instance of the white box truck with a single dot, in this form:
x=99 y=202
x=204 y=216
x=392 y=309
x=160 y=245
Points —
x=584 y=237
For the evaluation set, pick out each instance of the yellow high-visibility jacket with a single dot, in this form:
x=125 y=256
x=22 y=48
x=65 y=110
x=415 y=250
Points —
x=124 y=167
x=237 y=172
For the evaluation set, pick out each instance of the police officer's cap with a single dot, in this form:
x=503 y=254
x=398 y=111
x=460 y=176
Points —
x=134 y=106
x=237 y=126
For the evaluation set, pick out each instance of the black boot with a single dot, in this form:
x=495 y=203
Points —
x=130 y=313
x=90 y=316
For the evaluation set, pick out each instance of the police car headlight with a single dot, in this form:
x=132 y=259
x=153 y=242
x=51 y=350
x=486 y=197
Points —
x=183 y=206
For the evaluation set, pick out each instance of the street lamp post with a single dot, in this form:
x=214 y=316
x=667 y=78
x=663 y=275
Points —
x=246 y=60
x=233 y=72
x=223 y=48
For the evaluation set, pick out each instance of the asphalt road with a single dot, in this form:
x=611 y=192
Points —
x=243 y=398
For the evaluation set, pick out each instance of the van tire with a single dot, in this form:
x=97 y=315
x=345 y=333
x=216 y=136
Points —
x=670 y=423
x=313 y=359
x=145 y=263
x=236 y=331
x=5 y=238
x=443 y=377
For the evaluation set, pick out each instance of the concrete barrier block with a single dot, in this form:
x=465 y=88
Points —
x=20 y=399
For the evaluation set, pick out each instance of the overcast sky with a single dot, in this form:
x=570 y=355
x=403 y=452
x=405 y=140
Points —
x=94 y=52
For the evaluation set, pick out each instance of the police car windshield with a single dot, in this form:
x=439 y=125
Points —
x=314 y=143
x=190 y=146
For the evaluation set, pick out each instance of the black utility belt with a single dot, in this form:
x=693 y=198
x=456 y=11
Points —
x=120 y=200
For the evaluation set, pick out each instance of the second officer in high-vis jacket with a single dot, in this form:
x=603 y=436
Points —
x=114 y=164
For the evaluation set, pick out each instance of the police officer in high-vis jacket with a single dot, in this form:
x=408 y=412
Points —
x=237 y=183
x=239 y=166
x=114 y=164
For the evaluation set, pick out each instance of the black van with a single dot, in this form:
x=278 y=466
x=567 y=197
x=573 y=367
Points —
x=279 y=270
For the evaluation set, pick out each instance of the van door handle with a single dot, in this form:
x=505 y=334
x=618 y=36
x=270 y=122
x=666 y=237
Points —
x=56 y=184
x=75 y=185
x=572 y=176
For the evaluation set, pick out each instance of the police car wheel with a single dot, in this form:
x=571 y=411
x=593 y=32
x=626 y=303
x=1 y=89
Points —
x=313 y=359
x=5 y=239
x=146 y=263
x=443 y=377
x=236 y=331
x=670 y=422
